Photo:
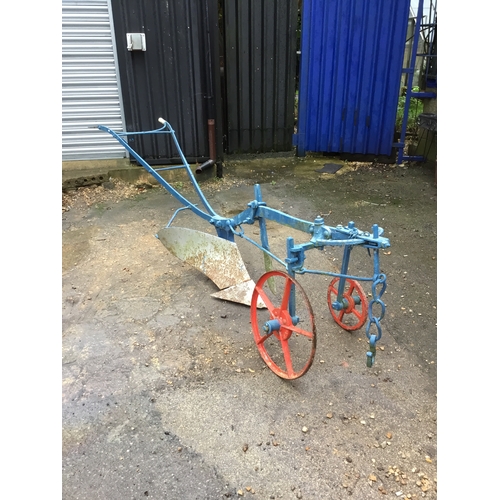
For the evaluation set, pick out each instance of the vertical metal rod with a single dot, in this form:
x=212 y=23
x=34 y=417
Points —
x=262 y=221
x=343 y=271
x=376 y=263
x=291 y=273
x=211 y=139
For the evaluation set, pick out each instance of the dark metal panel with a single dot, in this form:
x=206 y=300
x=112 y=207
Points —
x=260 y=61
x=352 y=56
x=174 y=78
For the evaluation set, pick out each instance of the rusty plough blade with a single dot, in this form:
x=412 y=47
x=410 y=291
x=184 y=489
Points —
x=217 y=258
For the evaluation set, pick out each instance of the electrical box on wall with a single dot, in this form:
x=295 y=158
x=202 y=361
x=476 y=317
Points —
x=136 y=41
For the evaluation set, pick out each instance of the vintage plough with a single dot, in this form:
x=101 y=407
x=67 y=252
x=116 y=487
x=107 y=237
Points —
x=281 y=315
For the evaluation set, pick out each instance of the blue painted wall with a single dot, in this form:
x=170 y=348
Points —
x=350 y=75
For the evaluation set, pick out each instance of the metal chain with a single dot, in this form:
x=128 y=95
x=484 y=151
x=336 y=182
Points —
x=378 y=288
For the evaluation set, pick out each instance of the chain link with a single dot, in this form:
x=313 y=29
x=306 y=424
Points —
x=378 y=288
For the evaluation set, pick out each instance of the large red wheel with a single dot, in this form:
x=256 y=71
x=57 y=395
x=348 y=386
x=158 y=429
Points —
x=355 y=311
x=283 y=332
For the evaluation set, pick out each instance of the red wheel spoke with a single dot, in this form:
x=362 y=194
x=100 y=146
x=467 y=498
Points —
x=356 y=313
x=288 y=359
x=300 y=331
x=264 y=338
x=267 y=301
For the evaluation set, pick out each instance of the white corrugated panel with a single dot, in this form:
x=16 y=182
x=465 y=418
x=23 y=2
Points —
x=90 y=83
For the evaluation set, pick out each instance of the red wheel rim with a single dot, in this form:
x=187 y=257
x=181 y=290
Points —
x=290 y=346
x=353 y=317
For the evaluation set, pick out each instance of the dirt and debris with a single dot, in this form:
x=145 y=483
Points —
x=116 y=189
x=112 y=191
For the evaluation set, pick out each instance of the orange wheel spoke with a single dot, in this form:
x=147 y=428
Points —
x=288 y=359
x=300 y=331
x=267 y=301
x=357 y=313
x=264 y=338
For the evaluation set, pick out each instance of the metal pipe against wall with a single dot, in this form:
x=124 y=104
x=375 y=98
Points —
x=211 y=143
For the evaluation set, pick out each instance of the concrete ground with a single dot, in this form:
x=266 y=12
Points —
x=165 y=395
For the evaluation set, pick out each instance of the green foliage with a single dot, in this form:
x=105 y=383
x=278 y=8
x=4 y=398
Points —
x=416 y=107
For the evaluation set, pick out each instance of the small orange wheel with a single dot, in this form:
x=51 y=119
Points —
x=353 y=315
x=285 y=328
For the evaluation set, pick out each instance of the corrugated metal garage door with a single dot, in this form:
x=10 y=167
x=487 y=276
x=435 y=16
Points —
x=352 y=59
x=90 y=88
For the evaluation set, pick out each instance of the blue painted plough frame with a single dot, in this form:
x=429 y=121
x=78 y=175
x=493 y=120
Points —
x=321 y=235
